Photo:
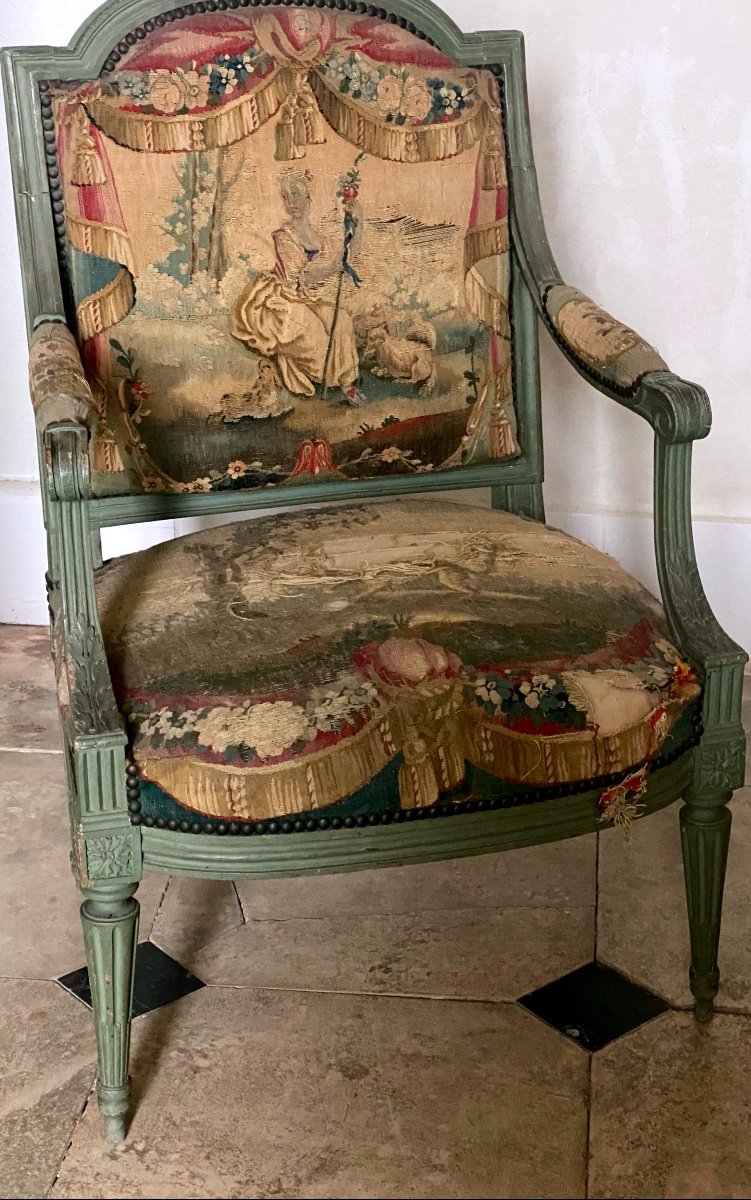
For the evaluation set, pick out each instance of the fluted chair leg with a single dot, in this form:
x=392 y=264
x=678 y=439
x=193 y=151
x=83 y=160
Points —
x=705 y=836
x=110 y=928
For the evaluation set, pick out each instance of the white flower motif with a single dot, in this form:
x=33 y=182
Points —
x=330 y=707
x=188 y=720
x=271 y=728
x=158 y=722
x=532 y=700
x=222 y=727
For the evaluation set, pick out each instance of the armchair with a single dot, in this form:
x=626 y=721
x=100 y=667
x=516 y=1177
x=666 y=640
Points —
x=283 y=255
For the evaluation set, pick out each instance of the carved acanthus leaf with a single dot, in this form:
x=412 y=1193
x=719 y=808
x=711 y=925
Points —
x=92 y=700
x=697 y=623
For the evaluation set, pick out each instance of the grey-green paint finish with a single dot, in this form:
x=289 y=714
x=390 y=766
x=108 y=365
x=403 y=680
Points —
x=109 y=854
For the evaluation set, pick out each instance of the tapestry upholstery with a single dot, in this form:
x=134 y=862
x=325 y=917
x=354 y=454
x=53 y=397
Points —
x=618 y=354
x=280 y=666
x=288 y=254
x=58 y=386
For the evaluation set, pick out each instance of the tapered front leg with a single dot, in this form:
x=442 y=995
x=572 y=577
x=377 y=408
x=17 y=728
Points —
x=705 y=836
x=110 y=929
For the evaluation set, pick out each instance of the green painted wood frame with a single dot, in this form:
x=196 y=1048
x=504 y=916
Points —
x=109 y=852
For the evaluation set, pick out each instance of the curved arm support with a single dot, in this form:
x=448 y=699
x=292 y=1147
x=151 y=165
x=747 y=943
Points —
x=608 y=354
x=692 y=622
x=66 y=461
x=623 y=366
x=719 y=764
x=84 y=677
x=677 y=410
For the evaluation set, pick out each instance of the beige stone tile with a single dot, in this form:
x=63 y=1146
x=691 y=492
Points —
x=484 y=955
x=193 y=913
x=246 y=1093
x=46 y=1072
x=670 y=1107
x=28 y=704
x=642 y=921
x=40 y=930
x=558 y=875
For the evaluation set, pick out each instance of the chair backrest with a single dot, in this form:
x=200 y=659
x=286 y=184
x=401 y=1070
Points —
x=283 y=245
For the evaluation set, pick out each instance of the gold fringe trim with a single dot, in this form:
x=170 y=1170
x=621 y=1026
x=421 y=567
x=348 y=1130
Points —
x=203 y=131
x=397 y=143
x=106 y=241
x=303 y=785
x=486 y=304
x=564 y=758
x=485 y=241
x=105 y=308
x=433 y=760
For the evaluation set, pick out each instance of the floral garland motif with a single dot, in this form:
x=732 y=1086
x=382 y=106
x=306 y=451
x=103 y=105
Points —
x=533 y=703
x=398 y=96
x=191 y=88
x=252 y=733
x=530 y=702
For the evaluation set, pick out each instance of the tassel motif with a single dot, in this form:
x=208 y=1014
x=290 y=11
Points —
x=418 y=786
x=87 y=170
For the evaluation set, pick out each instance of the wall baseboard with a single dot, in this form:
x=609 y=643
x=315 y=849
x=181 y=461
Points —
x=723 y=549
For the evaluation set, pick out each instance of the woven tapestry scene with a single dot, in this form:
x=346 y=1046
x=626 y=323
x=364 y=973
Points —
x=386 y=657
x=287 y=255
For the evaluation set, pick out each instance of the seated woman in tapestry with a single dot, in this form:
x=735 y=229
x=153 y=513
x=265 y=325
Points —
x=277 y=313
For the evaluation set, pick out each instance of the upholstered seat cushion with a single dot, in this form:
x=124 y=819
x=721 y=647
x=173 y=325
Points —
x=282 y=665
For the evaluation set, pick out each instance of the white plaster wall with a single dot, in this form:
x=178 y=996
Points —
x=642 y=133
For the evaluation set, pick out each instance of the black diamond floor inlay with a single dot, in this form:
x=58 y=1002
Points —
x=159 y=980
x=594 y=1005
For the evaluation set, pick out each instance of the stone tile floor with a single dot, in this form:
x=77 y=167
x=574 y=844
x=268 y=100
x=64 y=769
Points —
x=359 y=1035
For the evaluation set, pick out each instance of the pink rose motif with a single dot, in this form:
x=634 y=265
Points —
x=417 y=101
x=408 y=660
x=389 y=93
x=195 y=87
x=166 y=92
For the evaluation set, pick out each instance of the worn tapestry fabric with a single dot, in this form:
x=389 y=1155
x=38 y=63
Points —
x=618 y=353
x=58 y=386
x=281 y=665
x=289 y=254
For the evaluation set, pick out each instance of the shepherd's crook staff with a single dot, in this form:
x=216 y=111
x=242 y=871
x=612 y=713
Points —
x=349 y=189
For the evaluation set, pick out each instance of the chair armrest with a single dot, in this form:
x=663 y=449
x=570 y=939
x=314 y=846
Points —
x=619 y=362
x=602 y=347
x=64 y=410
x=60 y=391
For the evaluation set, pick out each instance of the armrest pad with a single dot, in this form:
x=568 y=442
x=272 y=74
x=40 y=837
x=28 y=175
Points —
x=600 y=346
x=60 y=390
